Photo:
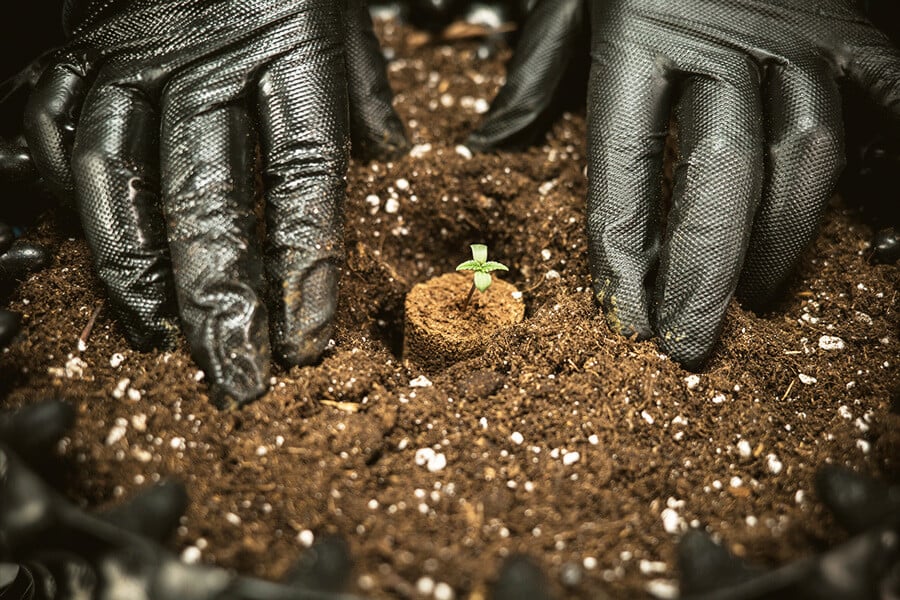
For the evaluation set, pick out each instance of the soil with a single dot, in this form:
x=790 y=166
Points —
x=562 y=441
x=441 y=327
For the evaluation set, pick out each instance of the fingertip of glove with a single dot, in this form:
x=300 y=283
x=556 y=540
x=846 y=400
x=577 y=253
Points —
x=307 y=348
x=228 y=396
x=688 y=354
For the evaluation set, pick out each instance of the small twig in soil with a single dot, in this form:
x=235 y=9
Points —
x=350 y=407
x=788 y=390
x=86 y=332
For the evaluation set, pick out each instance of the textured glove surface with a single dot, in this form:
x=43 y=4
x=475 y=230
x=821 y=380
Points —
x=754 y=86
x=63 y=552
x=176 y=103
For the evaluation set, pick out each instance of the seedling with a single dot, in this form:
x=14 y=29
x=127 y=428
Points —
x=482 y=268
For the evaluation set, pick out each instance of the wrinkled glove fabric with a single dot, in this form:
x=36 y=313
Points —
x=164 y=110
x=754 y=88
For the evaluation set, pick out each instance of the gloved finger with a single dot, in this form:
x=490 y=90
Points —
x=154 y=513
x=22 y=259
x=805 y=158
x=207 y=155
x=628 y=108
x=718 y=183
x=549 y=41
x=376 y=130
x=857 y=502
x=116 y=170
x=33 y=430
x=304 y=134
x=520 y=579
x=16 y=165
x=873 y=63
x=50 y=116
x=9 y=326
x=325 y=567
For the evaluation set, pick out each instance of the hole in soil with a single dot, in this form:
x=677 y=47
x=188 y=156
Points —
x=374 y=457
x=389 y=326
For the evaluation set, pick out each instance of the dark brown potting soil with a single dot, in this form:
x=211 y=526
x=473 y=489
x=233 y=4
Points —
x=588 y=452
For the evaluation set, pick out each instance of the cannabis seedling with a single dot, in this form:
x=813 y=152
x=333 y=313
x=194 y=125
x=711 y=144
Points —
x=482 y=268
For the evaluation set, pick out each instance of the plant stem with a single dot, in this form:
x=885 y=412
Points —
x=468 y=297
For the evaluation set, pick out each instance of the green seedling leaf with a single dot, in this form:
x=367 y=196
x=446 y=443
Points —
x=494 y=266
x=479 y=252
x=482 y=268
x=482 y=280
x=469 y=265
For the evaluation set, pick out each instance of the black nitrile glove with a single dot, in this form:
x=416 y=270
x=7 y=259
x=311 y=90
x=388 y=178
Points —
x=172 y=100
x=435 y=15
x=867 y=566
x=754 y=87
x=52 y=550
x=21 y=194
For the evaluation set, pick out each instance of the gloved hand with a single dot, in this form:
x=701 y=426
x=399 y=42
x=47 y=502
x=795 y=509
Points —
x=754 y=87
x=176 y=104
x=865 y=566
x=17 y=177
x=435 y=15
x=52 y=550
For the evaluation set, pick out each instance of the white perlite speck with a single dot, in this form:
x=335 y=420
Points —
x=647 y=417
x=863 y=445
x=831 y=342
x=807 y=379
x=593 y=439
x=672 y=521
x=402 y=184
x=773 y=464
x=117 y=432
x=570 y=458
x=428 y=458
x=845 y=412
x=190 y=555
x=306 y=538
x=75 y=367
x=517 y=438
x=391 y=206
x=662 y=588
x=649 y=567
x=423 y=455
x=464 y=151
x=425 y=586
x=692 y=381
x=421 y=381
x=420 y=150
x=121 y=388
x=744 y=449
x=545 y=187
x=443 y=591
x=116 y=359
x=232 y=518
x=139 y=422
x=718 y=399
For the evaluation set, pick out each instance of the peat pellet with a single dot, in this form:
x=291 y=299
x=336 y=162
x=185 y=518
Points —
x=439 y=331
